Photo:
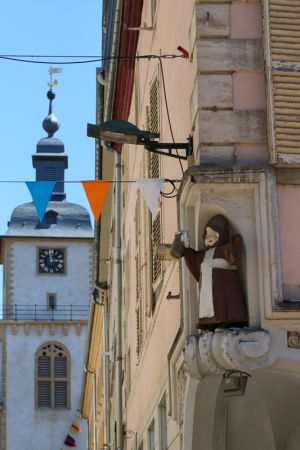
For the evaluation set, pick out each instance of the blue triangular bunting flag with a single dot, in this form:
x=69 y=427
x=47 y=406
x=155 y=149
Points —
x=40 y=192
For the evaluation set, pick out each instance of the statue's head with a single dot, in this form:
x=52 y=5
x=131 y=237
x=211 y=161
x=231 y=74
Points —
x=216 y=231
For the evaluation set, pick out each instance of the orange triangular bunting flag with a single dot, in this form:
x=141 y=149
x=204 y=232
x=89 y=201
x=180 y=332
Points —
x=96 y=192
x=76 y=427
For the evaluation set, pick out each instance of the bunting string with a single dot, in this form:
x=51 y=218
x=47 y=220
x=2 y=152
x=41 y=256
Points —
x=96 y=191
x=166 y=180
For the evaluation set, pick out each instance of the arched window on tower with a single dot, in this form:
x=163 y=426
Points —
x=52 y=369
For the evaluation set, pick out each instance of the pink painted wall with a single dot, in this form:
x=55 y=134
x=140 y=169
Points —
x=249 y=91
x=289 y=226
x=248 y=152
x=246 y=20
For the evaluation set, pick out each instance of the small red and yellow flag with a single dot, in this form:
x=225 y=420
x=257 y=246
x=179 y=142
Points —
x=76 y=427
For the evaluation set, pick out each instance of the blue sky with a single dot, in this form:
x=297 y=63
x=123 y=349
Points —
x=68 y=27
x=57 y=27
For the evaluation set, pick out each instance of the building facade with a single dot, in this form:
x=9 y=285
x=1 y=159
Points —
x=47 y=286
x=227 y=74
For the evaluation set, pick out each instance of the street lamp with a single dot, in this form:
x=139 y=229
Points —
x=235 y=382
x=123 y=132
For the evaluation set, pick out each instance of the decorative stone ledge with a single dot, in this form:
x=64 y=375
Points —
x=230 y=349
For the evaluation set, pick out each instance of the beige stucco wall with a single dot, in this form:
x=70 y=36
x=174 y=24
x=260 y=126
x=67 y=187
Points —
x=149 y=372
x=219 y=96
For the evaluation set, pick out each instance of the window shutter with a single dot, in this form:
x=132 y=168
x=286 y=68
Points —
x=44 y=370
x=154 y=172
x=44 y=394
x=154 y=106
x=60 y=370
x=282 y=39
x=156 y=239
x=60 y=394
x=52 y=376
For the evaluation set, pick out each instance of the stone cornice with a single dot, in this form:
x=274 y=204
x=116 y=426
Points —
x=202 y=174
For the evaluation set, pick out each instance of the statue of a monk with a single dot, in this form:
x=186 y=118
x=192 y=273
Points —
x=221 y=299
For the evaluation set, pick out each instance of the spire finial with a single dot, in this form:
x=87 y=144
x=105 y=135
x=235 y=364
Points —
x=50 y=123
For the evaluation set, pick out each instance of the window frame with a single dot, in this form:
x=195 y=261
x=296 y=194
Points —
x=52 y=378
x=48 y=295
x=163 y=423
x=151 y=435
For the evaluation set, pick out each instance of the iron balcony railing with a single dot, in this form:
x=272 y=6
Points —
x=38 y=312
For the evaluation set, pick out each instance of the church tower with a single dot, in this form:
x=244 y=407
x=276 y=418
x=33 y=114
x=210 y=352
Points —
x=47 y=286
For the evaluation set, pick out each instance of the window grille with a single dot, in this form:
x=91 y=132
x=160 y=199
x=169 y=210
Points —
x=52 y=376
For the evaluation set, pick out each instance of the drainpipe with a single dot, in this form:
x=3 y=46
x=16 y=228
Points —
x=118 y=271
x=117 y=244
x=106 y=356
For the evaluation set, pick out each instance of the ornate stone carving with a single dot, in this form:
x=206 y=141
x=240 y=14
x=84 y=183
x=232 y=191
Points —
x=230 y=349
x=293 y=338
x=181 y=383
x=26 y=329
x=78 y=329
x=65 y=329
x=52 y=329
x=14 y=330
x=39 y=329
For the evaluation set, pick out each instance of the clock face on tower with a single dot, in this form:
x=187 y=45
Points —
x=51 y=260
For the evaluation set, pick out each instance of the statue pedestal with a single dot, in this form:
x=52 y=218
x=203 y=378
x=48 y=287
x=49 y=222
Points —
x=229 y=349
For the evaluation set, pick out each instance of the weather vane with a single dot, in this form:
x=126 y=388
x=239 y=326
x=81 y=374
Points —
x=51 y=71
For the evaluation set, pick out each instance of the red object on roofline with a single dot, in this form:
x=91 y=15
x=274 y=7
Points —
x=184 y=52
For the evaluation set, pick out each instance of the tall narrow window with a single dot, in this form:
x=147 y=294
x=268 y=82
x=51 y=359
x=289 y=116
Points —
x=52 y=376
x=153 y=10
x=151 y=436
x=162 y=416
x=51 y=301
x=138 y=268
x=154 y=172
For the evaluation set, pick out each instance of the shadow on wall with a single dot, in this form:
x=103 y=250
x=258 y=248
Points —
x=266 y=417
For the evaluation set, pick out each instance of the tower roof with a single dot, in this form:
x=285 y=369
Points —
x=62 y=220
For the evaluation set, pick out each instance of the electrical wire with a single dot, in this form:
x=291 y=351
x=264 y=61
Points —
x=171 y=193
x=167 y=108
x=86 y=59
x=166 y=180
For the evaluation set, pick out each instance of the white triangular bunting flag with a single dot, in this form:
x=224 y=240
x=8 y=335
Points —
x=150 y=190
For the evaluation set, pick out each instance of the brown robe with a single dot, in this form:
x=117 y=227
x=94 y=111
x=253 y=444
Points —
x=228 y=298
